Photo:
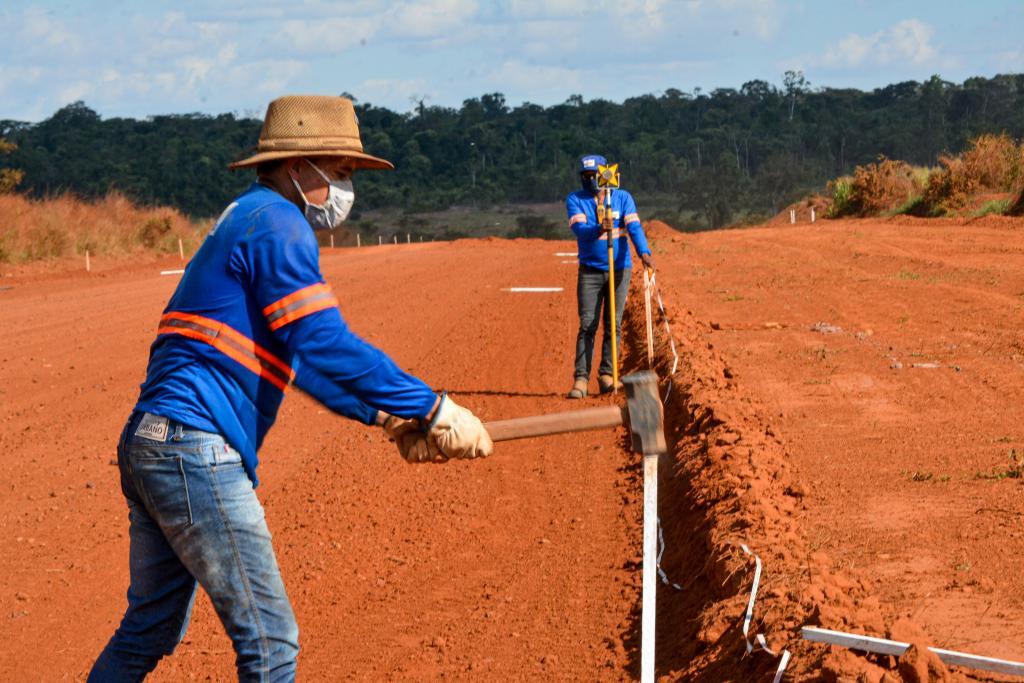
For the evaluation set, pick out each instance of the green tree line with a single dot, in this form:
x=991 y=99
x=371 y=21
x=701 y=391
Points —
x=709 y=158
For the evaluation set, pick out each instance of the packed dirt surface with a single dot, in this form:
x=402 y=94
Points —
x=524 y=565
x=845 y=406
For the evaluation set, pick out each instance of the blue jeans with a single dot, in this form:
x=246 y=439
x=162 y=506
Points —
x=196 y=519
x=592 y=298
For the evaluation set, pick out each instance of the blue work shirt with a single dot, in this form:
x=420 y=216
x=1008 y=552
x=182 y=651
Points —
x=592 y=240
x=252 y=315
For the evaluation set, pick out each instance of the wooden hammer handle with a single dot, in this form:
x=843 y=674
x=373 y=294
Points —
x=557 y=423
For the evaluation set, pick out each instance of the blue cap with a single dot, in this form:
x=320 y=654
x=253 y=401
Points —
x=590 y=162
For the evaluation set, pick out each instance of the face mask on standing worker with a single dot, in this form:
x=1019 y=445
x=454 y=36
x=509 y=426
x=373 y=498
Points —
x=587 y=169
x=334 y=210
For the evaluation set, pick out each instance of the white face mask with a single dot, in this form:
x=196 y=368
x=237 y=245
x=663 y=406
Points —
x=334 y=210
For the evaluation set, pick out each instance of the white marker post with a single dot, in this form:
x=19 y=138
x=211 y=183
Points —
x=531 y=290
x=792 y=216
x=650 y=581
x=332 y=240
x=88 y=266
x=181 y=249
x=408 y=238
x=359 y=240
x=380 y=241
x=396 y=239
x=812 y=214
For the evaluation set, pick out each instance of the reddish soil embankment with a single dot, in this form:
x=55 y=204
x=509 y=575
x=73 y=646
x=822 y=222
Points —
x=849 y=411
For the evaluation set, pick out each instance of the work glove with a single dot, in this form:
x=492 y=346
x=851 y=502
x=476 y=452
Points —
x=410 y=438
x=457 y=433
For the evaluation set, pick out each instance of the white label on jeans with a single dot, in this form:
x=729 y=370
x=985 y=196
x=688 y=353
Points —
x=152 y=427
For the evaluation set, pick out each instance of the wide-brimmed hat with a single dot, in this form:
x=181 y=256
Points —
x=311 y=125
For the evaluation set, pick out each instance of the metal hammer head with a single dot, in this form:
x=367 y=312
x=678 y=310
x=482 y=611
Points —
x=646 y=415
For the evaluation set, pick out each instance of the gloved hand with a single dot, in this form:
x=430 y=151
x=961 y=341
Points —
x=457 y=433
x=410 y=438
x=608 y=224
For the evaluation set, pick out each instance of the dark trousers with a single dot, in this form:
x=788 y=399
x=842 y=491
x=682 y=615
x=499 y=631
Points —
x=592 y=298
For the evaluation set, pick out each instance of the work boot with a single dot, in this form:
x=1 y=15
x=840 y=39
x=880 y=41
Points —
x=579 y=388
x=604 y=383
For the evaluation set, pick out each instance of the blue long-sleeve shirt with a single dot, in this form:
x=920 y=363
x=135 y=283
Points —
x=592 y=240
x=253 y=314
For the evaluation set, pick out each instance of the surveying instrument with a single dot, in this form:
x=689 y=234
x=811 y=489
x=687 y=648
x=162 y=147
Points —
x=607 y=181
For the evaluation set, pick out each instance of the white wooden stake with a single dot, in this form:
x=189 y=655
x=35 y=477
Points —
x=359 y=240
x=792 y=216
x=897 y=648
x=380 y=240
x=332 y=240
x=812 y=214
x=88 y=267
x=649 y=320
x=396 y=239
x=181 y=249
x=408 y=238
x=650 y=578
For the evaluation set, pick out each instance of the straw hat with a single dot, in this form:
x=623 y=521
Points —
x=311 y=125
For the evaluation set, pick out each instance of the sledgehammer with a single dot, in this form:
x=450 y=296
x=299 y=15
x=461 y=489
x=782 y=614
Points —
x=642 y=413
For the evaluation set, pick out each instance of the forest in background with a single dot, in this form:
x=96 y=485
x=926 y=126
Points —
x=698 y=159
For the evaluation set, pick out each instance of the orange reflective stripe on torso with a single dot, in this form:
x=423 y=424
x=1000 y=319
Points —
x=231 y=343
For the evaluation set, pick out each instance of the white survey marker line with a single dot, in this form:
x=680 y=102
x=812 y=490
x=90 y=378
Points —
x=172 y=272
x=566 y=253
x=650 y=576
x=532 y=289
x=897 y=648
x=573 y=262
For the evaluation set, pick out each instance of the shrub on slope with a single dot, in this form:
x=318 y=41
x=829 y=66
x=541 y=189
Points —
x=64 y=226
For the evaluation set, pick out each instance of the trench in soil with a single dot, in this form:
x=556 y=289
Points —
x=722 y=482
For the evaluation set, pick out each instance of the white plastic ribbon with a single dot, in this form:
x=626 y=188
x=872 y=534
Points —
x=661 y=551
x=759 y=639
x=668 y=330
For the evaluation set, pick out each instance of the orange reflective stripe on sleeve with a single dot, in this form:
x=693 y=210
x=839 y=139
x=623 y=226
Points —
x=299 y=304
x=231 y=343
x=631 y=218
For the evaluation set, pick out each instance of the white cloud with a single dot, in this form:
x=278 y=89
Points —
x=378 y=90
x=430 y=19
x=909 y=41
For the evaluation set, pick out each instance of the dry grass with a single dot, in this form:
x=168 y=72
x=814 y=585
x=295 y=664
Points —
x=993 y=163
x=875 y=188
x=64 y=226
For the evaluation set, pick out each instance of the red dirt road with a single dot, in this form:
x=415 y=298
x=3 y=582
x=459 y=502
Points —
x=869 y=461
x=518 y=566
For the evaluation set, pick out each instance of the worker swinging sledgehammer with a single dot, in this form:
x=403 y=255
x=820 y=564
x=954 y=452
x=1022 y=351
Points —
x=597 y=216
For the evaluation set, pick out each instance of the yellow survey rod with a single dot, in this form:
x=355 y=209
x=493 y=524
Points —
x=608 y=179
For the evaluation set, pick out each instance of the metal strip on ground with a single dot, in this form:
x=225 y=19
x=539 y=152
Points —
x=896 y=648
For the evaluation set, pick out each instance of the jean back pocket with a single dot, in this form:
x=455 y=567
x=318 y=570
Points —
x=161 y=479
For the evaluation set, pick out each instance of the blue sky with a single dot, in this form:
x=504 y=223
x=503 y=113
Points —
x=134 y=58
